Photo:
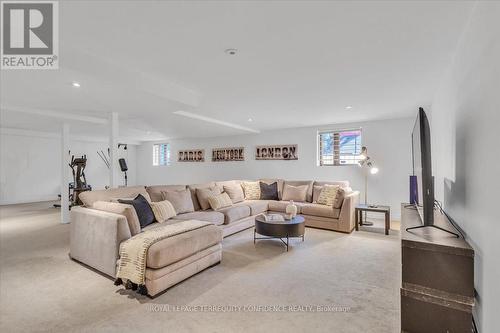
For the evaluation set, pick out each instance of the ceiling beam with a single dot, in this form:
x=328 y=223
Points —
x=215 y=121
x=56 y=114
x=55 y=135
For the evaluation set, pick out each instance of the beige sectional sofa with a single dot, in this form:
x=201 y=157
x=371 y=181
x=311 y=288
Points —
x=98 y=228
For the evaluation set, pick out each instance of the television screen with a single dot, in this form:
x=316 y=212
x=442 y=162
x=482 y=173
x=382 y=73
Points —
x=421 y=155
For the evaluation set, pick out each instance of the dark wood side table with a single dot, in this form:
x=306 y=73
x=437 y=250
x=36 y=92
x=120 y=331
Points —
x=378 y=209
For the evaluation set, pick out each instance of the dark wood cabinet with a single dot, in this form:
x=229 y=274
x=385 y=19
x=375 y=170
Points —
x=437 y=289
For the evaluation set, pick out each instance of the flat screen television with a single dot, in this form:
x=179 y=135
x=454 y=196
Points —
x=422 y=168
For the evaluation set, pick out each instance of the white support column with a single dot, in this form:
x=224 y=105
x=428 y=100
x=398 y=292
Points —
x=64 y=173
x=113 y=149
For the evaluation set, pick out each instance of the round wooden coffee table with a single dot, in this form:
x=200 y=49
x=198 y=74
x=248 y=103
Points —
x=279 y=229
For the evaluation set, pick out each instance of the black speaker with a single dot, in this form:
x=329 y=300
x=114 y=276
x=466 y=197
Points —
x=123 y=164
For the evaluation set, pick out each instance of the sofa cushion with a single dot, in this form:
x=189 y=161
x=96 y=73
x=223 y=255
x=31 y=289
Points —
x=123 y=209
x=155 y=190
x=320 y=210
x=89 y=197
x=216 y=218
x=163 y=210
x=327 y=195
x=220 y=201
x=181 y=200
x=178 y=247
x=252 y=190
x=203 y=194
x=192 y=188
x=256 y=206
x=142 y=208
x=280 y=206
x=235 y=192
x=309 y=184
x=295 y=193
x=235 y=213
x=269 y=191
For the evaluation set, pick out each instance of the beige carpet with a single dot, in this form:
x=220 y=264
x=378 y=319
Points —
x=41 y=289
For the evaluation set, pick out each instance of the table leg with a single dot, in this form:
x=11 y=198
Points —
x=287 y=240
x=387 y=222
x=254 y=235
x=356 y=219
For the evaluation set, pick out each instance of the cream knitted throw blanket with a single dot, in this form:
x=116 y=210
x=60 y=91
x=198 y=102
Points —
x=134 y=251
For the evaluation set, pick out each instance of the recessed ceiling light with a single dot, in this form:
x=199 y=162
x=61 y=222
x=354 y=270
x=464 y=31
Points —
x=348 y=107
x=231 y=51
x=75 y=84
x=250 y=120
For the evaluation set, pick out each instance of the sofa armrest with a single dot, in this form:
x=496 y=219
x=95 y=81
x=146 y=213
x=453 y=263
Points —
x=346 y=217
x=95 y=238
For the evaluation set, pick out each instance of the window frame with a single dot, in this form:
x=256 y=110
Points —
x=333 y=131
x=168 y=152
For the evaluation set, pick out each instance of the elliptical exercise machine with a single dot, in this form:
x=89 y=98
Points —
x=79 y=183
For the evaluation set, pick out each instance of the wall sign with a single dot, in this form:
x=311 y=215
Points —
x=192 y=155
x=276 y=152
x=228 y=154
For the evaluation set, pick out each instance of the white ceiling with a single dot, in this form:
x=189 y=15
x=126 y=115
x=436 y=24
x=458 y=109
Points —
x=298 y=64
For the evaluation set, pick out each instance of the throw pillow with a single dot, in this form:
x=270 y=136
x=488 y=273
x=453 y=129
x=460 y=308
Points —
x=220 y=201
x=328 y=194
x=142 y=208
x=269 y=191
x=181 y=200
x=118 y=208
x=118 y=199
x=204 y=193
x=339 y=198
x=316 y=192
x=235 y=192
x=252 y=190
x=163 y=210
x=295 y=193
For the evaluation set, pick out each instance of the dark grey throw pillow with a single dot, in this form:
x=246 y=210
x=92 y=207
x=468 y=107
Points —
x=269 y=191
x=142 y=208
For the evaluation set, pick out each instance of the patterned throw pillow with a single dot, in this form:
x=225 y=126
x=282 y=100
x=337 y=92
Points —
x=163 y=210
x=252 y=190
x=220 y=201
x=328 y=194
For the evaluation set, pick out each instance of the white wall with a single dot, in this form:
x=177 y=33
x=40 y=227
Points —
x=465 y=120
x=30 y=165
x=388 y=144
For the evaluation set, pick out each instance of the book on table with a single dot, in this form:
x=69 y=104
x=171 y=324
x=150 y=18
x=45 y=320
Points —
x=272 y=217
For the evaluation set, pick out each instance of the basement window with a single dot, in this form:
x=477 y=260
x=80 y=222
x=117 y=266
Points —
x=339 y=147
x=161 y=154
